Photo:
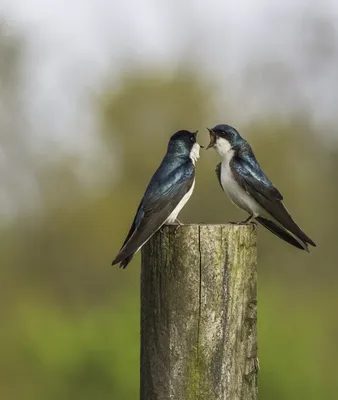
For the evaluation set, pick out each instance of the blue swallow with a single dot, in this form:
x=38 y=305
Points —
x=243 y=180
x=167 y=193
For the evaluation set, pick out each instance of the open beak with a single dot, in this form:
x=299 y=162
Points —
x=196 y=139
x=212 y=139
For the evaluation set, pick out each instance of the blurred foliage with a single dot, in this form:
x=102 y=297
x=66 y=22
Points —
x=71 y=321
x=16 y=160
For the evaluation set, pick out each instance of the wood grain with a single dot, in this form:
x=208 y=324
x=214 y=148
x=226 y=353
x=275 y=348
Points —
x=199 y=314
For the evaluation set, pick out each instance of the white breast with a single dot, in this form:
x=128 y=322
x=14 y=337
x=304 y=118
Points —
x=195 y=153
x=172 y=217
x=235 y=192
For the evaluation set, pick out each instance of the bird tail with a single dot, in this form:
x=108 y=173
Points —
x=124 y=261
x=127 y=251
x=283 y=234
x=284 y=218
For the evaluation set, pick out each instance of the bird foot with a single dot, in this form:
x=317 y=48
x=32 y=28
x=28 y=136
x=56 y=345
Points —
x=237 y=223
x=176 y=223
x=247 y=221
x=179 y=224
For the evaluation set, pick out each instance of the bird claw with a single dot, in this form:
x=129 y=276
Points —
x=179 y=224
x=237 y=223
x=248 y=221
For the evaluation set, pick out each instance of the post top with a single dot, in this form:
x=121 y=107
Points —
x=228 y=225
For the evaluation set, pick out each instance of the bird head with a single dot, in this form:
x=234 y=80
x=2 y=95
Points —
x=223 y=138
x=184 y=143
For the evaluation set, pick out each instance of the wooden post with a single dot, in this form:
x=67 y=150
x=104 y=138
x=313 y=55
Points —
x=198 y=314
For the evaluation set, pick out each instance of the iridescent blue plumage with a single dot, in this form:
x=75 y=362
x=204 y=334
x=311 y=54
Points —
x=173 y=180
x=242 y=178
x=246 y=167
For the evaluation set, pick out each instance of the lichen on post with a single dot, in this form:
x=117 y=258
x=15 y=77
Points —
x=198 y=313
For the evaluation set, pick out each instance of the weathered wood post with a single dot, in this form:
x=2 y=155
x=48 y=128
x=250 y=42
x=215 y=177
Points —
x=198 y=314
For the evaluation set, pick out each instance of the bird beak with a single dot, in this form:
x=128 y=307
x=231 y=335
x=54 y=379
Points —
x=196 y=139
x=212 y=139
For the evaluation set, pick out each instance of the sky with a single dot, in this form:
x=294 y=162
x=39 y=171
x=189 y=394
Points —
x=73 y=46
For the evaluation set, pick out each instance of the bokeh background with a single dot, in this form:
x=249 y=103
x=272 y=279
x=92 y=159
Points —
x=90 y=92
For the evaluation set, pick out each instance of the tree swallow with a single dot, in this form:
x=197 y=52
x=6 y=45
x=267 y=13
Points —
x=242 y=179
x=167 y=193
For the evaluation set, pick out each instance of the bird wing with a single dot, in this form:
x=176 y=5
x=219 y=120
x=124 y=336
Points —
x=159 y=201
x=250 y=176
x=218 y=173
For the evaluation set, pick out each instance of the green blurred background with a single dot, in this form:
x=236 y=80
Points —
x=70 y=321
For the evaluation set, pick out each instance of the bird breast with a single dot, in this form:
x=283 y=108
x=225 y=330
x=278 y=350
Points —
x=173 y=216
x=235 y=192
x=195 y=153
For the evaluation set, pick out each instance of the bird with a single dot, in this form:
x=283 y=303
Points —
x=247 y=186
x=167 y=193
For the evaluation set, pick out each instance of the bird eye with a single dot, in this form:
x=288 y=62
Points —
x=192 y=138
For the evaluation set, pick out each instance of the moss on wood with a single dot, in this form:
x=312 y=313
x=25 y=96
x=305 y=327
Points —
x=198 y=314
